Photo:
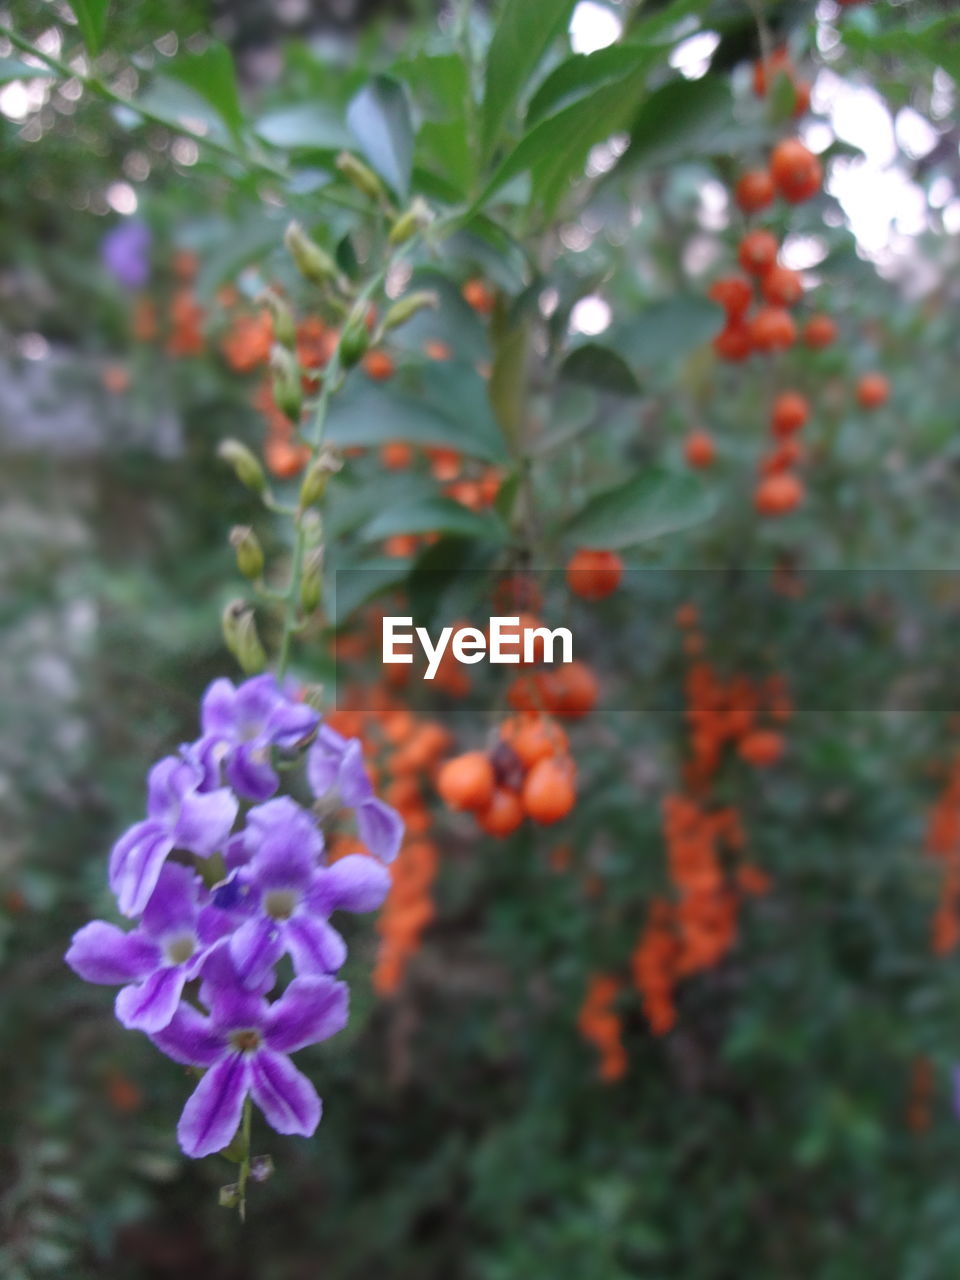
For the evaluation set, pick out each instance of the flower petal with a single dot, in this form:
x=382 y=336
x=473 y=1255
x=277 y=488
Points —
x=353 y=781
x=290 y=723
x=288 y=844
x=205 y=820
x=230 y=1003
x=323 y=760
x=173 y=904
x=285 y=1096
x=250 y=772
x=255 y=948
x=100 y=952
x=149 y=1006
x=213 y=1111
x=310 y=1010
x=217 y=715
x=135 y=863
x=190 y=1038
x=352 y=883
x=314 y=945
x=380 y=828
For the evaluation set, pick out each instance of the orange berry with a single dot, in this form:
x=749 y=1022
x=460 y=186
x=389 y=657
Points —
x=733 y=343
x=594 y=575
x=787 y=455
x=758 y=251
x=778 y=493
x=873 y=390
x=445 y=464
x=433 y=349
x=781 y=286
x=400 y=546
x=764 y=68
x=761 y=747
x=773 y=329
x=502 y=815
x=754 y=191
x=466 y=781
x=789 y=413
x=549 y=791
x=283 y=459
x=801 y=103
x=378 y=366
x=396 y=455
x=570 y=690
x=699 y=449
x=477 y=295
x=733 y=293
x=796 y=171
x=533 y=738
x=819 y=331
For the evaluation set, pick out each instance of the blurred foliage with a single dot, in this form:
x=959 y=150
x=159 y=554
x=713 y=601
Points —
x=465 y=1134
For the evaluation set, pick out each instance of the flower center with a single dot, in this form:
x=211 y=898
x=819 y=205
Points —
x=245 y=1041
x=179 y=950
x=280 y=903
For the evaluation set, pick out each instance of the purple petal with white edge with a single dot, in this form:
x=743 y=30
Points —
x=190 y=1038
x=323 y=760
x=354 y=782
x=231 y=1004
x=149 y=1006
x=207 y=755
x=212 y=1114
x=205 y=820
x=163 y=793
x=314 y=945
x=285 y=1096
x=135 y=864
x=255 y=948
x=217 y=709
x=256 y=699
x=290 y=722
x=353 y=883
x=380 y=828
x=288 y=844
x=173 y=904
x=250 y=772
x=100 y=952
x=310 y=1010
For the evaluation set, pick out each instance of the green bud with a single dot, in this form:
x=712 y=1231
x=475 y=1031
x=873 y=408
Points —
x=284 y=325
x=230 y=1196
x=246 y=467
x=312 y=695
x=318 y=475
x=354 y=340
x=287 y=389
x=360 y=175
x=406 y=308
x=311 y=580
x=313 y=263
x=411 y=221
x=240 y=637
x=249 y=552
x=261 y=1168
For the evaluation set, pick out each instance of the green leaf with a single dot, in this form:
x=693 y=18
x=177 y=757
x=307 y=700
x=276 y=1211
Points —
x=652 y=503
x=666 y=330
x=379 y=118
x=14 y=69
x=249 y=241
x=674 y=119
x=435 y=515
x=180 y=107
x=524 y=32
x=91 y=18
x=350 y=586
x=451 y=410
x=211 y=74
x=316 y=126
x=582 y=73
x=598 y=366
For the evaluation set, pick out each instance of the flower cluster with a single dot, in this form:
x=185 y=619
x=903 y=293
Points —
x=224 y=877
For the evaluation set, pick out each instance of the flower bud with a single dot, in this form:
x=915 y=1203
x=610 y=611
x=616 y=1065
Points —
x=284 y=326
x=312 y=695
x=240 y=637
x=287 y=388
x=246 y=467
x=312 y=527
x=248 y=550
x=313 y=263
x=360 y=175
x=311 y=580
x=230 y=1196
x=411 y=221
x=354 y=340
x=318 y=475
x=406 y=308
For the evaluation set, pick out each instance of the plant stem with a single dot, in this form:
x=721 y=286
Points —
x=245 y=1161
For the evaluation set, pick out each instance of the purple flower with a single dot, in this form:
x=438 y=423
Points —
x=241 y=725
x=336 y=763
x=286 y=897
x=179 y=816
x=243 y=1045
x=125 y=252
x=158 y=958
